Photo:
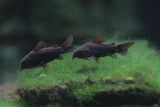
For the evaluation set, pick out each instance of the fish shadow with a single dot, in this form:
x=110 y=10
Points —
x=86 y=69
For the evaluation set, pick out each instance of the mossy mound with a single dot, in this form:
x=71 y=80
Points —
x=132 y=79
x=120 y=92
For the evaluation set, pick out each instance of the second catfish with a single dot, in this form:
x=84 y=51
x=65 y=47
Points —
x=96 y=48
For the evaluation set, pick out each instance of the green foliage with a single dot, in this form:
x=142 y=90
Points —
x=141 y=67
x=7 y=102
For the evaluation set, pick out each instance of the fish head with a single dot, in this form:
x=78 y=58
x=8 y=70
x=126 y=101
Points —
x=81 y=54
x=25 y=63
x=77 y=54
x=74 y=55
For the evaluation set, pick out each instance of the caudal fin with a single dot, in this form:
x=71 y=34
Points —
x=68 y=42
x=67 y=45
x=69 y=49
x=123 y=48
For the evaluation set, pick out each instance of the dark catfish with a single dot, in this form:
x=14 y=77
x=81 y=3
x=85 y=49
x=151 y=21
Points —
x=40 y=55
x=97 y=48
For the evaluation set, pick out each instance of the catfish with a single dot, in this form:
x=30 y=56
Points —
x=40 y=55
x=96 y=48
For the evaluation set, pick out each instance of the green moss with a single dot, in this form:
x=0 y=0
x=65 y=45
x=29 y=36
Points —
x=8 y=102
x=138 y=70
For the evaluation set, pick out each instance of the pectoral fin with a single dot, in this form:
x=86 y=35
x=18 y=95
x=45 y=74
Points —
x=93 y=58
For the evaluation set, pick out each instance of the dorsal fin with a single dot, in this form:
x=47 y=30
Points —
x=98 y=39
x=40 y=45
x=68 y=42
x=55 y=46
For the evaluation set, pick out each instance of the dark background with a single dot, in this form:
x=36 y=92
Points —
x=25 y=22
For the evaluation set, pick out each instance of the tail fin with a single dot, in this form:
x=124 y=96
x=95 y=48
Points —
x=68 y=49
x=68 y=42
x=67 y=45
x=123 y=48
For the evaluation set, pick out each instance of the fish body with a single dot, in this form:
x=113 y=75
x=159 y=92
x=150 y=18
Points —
x=96 y=49
x=40 y=55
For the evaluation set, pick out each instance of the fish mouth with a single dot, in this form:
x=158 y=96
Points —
x=21 y=68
